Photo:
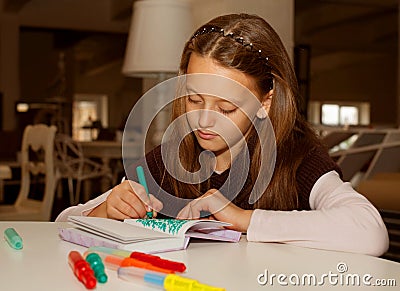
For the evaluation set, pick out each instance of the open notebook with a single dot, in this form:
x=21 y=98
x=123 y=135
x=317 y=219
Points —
x=146 y=235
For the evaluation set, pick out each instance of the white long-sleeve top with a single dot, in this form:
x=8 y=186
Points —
x=340 y=219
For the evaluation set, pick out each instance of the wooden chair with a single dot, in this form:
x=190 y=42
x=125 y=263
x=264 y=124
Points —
x=37 y=163
x=72 y=165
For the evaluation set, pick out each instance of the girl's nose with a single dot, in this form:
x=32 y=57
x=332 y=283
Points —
x=206 y=118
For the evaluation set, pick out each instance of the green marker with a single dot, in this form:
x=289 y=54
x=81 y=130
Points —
x=97 y=266
x=142 y=181
x=13 y=239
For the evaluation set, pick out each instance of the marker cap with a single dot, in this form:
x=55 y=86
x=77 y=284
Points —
x=97 y=266
x=13 y=239
x=82 y=269
x=176 y=283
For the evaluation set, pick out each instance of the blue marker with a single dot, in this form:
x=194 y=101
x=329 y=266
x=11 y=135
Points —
x=168 y=282
x=13 y=239
x=142 y=181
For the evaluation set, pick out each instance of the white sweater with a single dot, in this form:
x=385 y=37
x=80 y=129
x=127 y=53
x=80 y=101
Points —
x=340 y=219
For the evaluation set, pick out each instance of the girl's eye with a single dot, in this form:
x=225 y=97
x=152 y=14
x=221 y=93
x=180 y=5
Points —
x=223 y=111
x=193 y=100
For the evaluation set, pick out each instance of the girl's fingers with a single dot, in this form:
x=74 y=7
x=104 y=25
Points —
x=156 y=205
x=212 y=201
x=195 y=209
x=184 y=213
x=132 y=205
x=127 y=201
x=148 y=201
x=115 y=213
x=190 y=211
x=117 y=208
x=123 y=203
x=139 y=191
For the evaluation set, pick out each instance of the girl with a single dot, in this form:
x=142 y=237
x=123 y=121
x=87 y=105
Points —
x=305 y=202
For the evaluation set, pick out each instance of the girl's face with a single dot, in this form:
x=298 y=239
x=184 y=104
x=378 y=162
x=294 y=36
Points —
x=214 y=120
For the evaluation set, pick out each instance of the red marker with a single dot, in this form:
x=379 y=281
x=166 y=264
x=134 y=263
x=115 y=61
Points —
x=82 y=269
x=114 y=262
x=159 y=262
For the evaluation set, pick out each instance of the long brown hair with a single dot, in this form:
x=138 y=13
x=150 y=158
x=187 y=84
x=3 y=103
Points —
x=294 y=137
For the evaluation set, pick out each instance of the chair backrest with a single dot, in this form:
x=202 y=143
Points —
x=69 y=158
x=37 y=158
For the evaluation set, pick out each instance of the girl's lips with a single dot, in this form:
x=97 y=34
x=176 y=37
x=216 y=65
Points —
x=206 y=135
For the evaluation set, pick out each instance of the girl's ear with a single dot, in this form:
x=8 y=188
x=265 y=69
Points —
x=262 y=113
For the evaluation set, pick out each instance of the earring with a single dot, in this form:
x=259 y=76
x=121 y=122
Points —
x=261 y=113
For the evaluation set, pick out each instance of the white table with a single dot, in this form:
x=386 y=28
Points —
x=42 y=263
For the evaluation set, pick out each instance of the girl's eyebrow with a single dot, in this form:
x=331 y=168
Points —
x=189 y=88
x=228 y=100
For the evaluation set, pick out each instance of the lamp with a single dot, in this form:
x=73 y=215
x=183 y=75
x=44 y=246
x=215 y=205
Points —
x=158 y=32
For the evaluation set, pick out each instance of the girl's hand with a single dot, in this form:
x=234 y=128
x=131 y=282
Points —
x=127 y=200
x=220 y=208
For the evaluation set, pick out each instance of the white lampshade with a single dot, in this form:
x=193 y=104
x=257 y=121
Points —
x=158 y=32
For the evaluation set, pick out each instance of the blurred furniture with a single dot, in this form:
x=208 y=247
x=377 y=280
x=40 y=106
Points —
x=5 y=173
x=372 y=164
x=153 y=51
x=11 y=179
x=72 y=164
x=383 y=190
x=37 y=163
x=103 y=149
x=391 y=218
x=14 y=139
x=144 y=55
x=106 y=134
x=372 y=152
x=9 y=152
x=334 y=138
x=109 y=151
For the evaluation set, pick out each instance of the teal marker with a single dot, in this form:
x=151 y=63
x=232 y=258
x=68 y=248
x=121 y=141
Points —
x=142 y=181
x=13 y=239
x=97 y=266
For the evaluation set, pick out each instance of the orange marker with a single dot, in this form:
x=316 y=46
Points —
x=114 y=262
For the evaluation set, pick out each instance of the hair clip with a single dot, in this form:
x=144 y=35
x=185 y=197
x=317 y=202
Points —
x=239 y=39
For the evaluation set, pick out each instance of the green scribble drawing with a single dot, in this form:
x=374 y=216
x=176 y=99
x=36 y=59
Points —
x=171 y=226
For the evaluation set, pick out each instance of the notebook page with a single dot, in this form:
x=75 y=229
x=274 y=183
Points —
x=175 y=227
x=114 y=228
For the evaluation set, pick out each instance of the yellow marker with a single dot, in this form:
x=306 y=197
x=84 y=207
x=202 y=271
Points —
x=177 y=283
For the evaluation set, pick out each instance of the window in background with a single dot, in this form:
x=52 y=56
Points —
x=89 y=114
x=348 y=115
x=339 y=113
x=330 y=114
